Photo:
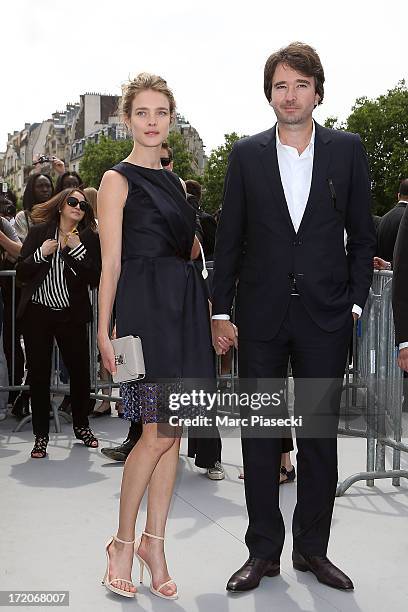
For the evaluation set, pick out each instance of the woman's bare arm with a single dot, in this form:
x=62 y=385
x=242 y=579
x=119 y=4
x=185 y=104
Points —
x=10 y=246
x=112 y=196
x=195 y=251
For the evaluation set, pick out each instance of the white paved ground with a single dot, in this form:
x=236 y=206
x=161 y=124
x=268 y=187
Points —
x=57 y=513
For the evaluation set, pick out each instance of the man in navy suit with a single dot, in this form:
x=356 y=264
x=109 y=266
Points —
x=290 y=195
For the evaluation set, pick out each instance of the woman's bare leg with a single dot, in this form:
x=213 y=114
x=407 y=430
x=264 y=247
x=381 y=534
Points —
x=137 y=473
x=286 y=463
x=161 y=487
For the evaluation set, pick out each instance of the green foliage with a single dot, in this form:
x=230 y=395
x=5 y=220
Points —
x=214 y=173
x=333 y=124
x=383 y=126
x=183 y=161
x=100 y=157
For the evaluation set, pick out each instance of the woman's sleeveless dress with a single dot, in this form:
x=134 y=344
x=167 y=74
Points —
x=161 y=295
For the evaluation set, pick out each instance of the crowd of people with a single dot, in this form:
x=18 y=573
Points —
x=143 y=240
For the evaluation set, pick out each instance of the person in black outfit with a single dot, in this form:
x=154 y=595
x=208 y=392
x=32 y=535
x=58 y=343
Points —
x=206 y=450
x=387 y=252
x=207 y=221
x=290 y=193
x=400 y=296
x=59 y=259
x=389 y=224
x=148 y=243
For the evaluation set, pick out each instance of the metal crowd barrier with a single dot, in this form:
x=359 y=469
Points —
x=373 y=385
x=376 y=375
x=57 y=388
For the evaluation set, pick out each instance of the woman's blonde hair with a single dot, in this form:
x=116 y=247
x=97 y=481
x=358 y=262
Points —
x=142 y=82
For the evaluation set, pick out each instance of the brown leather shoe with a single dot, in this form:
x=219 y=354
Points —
x=249 y=575
x=323 y=569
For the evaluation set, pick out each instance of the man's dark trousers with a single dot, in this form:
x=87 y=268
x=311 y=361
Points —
x=314 y=355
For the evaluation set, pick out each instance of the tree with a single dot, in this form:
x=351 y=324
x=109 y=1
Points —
x=214 y=173
x=333 y=123
x=100 y=157
x=183 y=159
x=383 y=126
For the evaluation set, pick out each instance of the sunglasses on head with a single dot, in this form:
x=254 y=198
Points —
x=73 y=202
x=165 y=161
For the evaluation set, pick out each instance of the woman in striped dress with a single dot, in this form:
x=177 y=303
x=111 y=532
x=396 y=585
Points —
x=60 y=258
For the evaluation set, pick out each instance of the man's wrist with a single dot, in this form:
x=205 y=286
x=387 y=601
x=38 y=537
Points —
x=220 y=317
x=357 y=310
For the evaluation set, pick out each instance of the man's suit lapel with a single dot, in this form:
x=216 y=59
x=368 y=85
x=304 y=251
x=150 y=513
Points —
x=271 y=167
x=319 y=185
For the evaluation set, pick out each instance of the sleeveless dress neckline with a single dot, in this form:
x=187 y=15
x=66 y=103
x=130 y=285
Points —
x=144 y=167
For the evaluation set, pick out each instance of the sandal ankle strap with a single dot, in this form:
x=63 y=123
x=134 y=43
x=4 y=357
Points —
x=122 y=542
x=152 y=536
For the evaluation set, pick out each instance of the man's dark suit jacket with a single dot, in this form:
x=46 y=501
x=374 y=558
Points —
x=400 y=282
x=388 y=230
x=78 y=274
x=258 y=246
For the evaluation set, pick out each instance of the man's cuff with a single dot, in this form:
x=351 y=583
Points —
x=38 y=256
x=221 y=317
x=402 y=345
x=78 y=252
x=357 y=310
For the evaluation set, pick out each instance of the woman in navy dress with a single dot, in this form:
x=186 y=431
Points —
x=147 y=234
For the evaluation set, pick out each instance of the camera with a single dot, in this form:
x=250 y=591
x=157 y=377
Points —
x=43 y=159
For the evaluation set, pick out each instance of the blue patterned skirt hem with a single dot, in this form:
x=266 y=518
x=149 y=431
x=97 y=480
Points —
x=147 y=402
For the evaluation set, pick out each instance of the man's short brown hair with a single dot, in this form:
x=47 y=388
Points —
x=194 y=188
x=165 y=145
x=299 y=57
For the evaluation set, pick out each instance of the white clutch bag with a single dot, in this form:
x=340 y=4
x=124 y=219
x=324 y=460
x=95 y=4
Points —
x=129 y=360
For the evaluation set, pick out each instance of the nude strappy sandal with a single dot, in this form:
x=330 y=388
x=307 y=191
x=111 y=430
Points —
x=108 y=583
x=143 y=563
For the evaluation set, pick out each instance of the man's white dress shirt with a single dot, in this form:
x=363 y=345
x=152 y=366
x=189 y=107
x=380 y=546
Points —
x=296 y=176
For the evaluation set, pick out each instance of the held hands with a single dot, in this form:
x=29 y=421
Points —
x=402 y=359
x=224 y=335
x=381 y=264
x=49 y=247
